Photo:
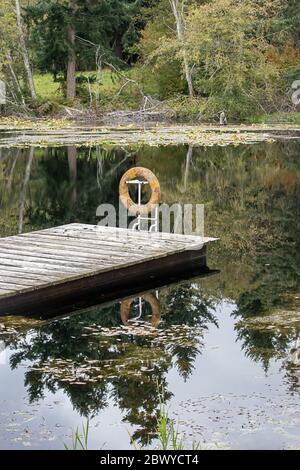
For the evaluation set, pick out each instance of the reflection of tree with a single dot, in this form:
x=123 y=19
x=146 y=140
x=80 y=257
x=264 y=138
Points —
x=72 y=160
x=291 y=365
x=93 y=186
x=189 y=156
x=187 y=304
x=142 y=412
x=276 y=274
x=24 y=189
x=49 y=345
x=262 y=345
x=54 y=186
x=252 y=200
x=14 y=165
x=101 y=359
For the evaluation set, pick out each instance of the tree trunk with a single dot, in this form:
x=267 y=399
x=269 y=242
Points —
x=24 y=52
x=71 y=70
x=12 y=171
x=14 y=78
x=117 y=47
x=177 y=10
x=187 y=166
x=24 y=189
x=72 y=161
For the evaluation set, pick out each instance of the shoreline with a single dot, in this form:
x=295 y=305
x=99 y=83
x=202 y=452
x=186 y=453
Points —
x=44 y=133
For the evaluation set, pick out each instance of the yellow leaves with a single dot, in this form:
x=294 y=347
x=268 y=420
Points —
x=8 y=34
x=46 y=124
x=288 y=56
x=287 y=180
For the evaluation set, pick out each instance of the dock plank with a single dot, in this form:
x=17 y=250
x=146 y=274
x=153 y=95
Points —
x=67 y=247
x=55 y=259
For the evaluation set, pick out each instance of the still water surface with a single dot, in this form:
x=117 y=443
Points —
x=224 y=348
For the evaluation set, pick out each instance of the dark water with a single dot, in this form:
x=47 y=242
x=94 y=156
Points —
x=224 y=348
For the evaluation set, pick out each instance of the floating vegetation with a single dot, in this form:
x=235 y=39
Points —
x=278 y=320
x=240 y=416
x=93 y=371
x=13 y=324
x=25 y=428
x=55 y=134
x=16 y=123
x=125 y=358
x=175 y=334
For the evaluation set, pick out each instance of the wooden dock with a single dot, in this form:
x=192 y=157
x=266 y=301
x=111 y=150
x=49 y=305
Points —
x=68 y=263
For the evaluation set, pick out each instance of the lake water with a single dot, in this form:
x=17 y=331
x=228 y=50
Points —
x=224 y=349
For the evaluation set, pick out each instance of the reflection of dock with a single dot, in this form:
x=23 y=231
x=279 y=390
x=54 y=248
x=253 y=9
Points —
x=148 y=298
x=68 y=263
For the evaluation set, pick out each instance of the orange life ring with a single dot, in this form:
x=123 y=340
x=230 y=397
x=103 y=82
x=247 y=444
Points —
x=151 y=299
x=137 y=173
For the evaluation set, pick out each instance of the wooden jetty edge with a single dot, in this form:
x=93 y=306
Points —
x=69 y=262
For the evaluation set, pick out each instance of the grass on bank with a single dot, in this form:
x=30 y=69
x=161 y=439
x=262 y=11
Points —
x=277 y=118
x=46 y=87
x=123 y=92
x=113 y=93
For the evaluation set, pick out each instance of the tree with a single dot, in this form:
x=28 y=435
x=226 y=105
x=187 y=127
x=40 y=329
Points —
x=291 y=19
x=228 y=41
x=177 y=7
x=159 y=52
x=67 y=33
x=226 y=50
x=10 y=59
x=24 y=51
x=71 y=67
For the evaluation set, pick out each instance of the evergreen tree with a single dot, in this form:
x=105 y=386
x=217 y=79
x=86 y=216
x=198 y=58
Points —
x=66 y=34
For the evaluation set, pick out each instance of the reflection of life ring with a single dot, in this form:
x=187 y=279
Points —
x=151 y=299
x=136 y=173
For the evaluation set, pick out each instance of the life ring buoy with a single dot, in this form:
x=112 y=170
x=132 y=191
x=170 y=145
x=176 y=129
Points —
x=136 y=173
x=150 y=299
